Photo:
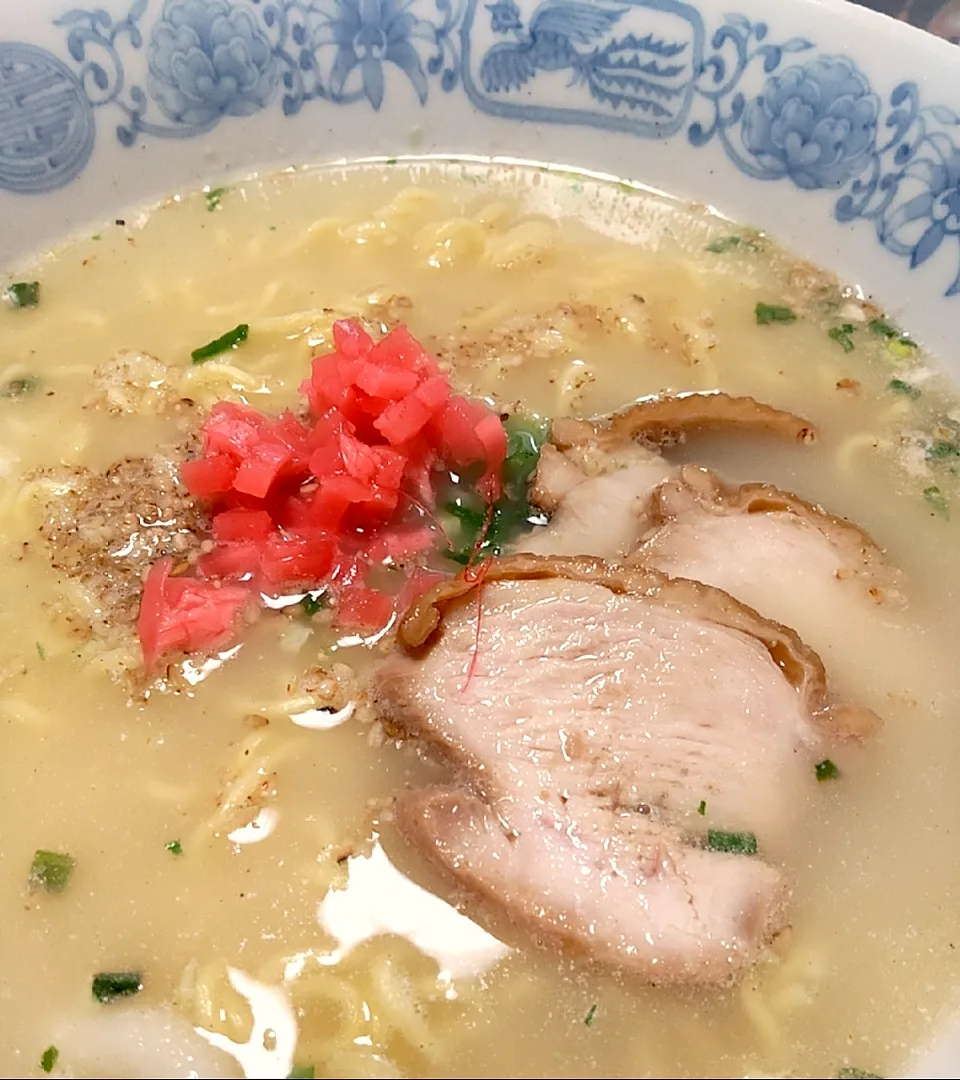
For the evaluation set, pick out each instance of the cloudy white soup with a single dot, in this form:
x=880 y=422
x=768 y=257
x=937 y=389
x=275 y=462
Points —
x=469 y=621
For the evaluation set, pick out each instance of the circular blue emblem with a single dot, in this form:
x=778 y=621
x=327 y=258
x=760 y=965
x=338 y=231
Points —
x=46 y=122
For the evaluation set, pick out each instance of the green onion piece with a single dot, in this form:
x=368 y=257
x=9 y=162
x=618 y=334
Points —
x=882 y=328
x=230 y=340
x=458 y=555
x=899 y=345
x=724 y=244
x=174 y=847
x=735 y=843
x=50 y=871
x=301 y=1072
x=19 y=387
x=110 y=985
x=314 y=602
x=702 y=808
x=41 y=651
x=511 y=514
x=525 y=438
x=24 y=294
x=900 y=350
x=900 y=386
x=470 y=516
x=773 y=313
x=214 y=196
x=391 y=161
x=591 y=1015
x=49 y=1058
x=826 y=770
x=857 y=1074
x=942 y=448
x=937 y=501
x=843 y=336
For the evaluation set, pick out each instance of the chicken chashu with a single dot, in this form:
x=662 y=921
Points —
x=622 y=739
x=591 y=718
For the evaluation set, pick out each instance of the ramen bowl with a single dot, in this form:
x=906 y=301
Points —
x=831 y=129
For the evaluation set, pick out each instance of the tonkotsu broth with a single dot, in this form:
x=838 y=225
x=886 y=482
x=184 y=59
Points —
x=872 y=961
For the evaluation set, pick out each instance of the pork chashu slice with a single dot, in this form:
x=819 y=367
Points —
x=602 y=706
x=596 y=477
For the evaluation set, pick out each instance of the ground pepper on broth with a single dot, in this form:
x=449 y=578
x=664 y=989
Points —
x=549 y=296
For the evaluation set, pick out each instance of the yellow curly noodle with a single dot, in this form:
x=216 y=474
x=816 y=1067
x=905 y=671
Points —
x=248 y=783
x=247 y=791
x=384 y=995
x=207 y=997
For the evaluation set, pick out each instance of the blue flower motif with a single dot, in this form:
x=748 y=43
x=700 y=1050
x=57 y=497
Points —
x=207 y=59
x=815 y=122
x=927 y=208
x=370 y=33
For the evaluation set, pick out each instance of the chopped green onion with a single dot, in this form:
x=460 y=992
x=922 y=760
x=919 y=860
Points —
x=735 y=843
x=773 y=313
x=900 y=386
x=391 y=161
x=49 y=1058
x=900 y=350
x=511 y=513
x=466 y=515
x=110 y=985
x=174 y=847
x=591 y=1015
x=24 y=294
x=942 y=448
x=724 y=244
x=937 y=501
x=826 y=770
x=214 y=196
x=899 y=345
x=19 y=387
x=314 y=602
x=702 y=808
x=301 y=1072
x=857 y=1074
x=525 y=438
x=230 y=340
x=887 y=330
x=883 y=329
x=96 y=236
x=41 y=651
x=50 y=871
x=843 y=336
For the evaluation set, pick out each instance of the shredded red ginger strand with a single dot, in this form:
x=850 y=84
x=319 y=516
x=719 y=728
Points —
x=321 y=501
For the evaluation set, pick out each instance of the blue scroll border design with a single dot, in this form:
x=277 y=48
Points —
x=780 y=110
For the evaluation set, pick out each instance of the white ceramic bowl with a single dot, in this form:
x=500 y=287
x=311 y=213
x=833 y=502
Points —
x=835 y=129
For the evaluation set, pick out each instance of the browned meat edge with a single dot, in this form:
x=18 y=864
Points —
x=716 y=497
x=800 y=665
x=663 y=420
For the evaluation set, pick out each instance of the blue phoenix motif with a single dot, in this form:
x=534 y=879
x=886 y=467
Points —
x=643 y=72
x=207 y=59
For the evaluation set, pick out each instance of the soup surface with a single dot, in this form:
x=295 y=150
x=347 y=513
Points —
x=232 y=842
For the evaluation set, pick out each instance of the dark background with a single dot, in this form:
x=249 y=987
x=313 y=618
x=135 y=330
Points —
x=941 y=17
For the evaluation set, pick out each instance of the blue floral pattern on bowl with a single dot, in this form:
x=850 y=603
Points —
x=779 y=109
x=815 y=123
x=207 y=59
